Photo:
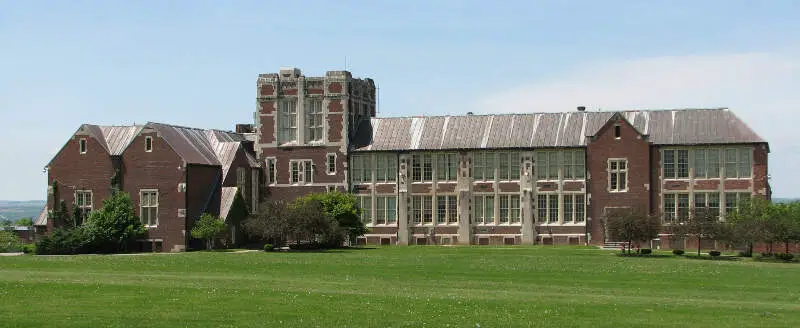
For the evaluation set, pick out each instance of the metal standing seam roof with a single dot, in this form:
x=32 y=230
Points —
x=41 y=220
x=226 y=201
x=548 y=130
x=118 y=138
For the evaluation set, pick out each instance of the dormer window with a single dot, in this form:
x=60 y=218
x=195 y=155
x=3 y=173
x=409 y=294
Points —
x=617 y=132
x=82 y=146
x=148 y=144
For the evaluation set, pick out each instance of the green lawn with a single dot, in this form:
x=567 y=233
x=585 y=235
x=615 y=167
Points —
x=396 y=287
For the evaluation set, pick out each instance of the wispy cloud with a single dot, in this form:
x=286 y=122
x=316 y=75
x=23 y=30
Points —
x=762 y=88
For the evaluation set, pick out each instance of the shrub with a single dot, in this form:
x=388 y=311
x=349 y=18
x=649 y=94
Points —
x=113 y=227
x=766 y=254
x=63 y=242
x=9 y=242
x=646 y=251
x=208 y=228
x=784 y=256
x=29 y=248
x=269 y=248
x=678 y=252
x=714 y=253
x=745 y=254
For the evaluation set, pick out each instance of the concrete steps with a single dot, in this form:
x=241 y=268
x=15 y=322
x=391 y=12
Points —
x=613 y=245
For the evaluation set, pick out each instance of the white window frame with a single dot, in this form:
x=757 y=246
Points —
x=675 y=163
x=385 y=213
x=361 y=168
x=315 y=120
x=704 y=170
x=287 y=121
x=549 y=218
x=450 y=213
x=330 y=159
x=365 y=204
x=575 y=160
x=83 y=146
x=546 y=160
x=386 y=167
x=254 y=184
x=272 y=170
x=513 y=215
x=79 y=196
x=142 y=206
x=512 y=167
x=241 y=180
x=618 y=172
x=447 y=166
x=304 y=167
x=738 y=195
x=420 y=213
x=744 y=157
x=482 y=216
x=148 y=144
x=706 y=195
x=484 y=164
x=675 y=214
x=422 y=167
x=570 y=201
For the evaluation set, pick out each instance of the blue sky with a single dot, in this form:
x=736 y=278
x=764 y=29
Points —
x=63 y=63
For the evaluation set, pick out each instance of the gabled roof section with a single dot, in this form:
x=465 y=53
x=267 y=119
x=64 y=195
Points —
x=226 y=201
x=549 y=130
x=114 y=139
x=615 y=117
x=191 y=144
x=41 y=220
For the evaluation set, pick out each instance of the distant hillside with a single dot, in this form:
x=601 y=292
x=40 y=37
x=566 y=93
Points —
x=14 y=210
x=785 y=200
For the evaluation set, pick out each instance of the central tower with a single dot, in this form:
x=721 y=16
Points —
x=304 y=127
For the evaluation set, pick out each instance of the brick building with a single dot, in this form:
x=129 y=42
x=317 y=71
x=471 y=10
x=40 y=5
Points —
x=537 y=178
x=499 y=179
x=173 y=175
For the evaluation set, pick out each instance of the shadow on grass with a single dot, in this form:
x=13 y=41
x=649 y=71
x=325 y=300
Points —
x=713 y=258
x=324 y=250
x=645 y=255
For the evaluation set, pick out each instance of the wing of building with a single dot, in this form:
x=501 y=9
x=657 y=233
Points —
x=528 y=178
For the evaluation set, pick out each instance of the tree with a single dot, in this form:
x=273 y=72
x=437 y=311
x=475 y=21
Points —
x=783 y=224
x=208 y=228
x=9 y=242
x=271 y=224
x=342 y=207
x=25 y=222
x=634 y=225
x=748 y=223
x=113 y=227
x=702 y=224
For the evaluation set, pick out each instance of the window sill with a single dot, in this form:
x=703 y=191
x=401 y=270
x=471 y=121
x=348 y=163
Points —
x=151 y=226
x=618 y=191
x=565 y=224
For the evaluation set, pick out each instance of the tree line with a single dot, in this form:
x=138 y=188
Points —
x=755 y=221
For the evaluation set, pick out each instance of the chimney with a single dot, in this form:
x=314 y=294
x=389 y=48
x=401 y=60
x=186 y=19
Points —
x=581 y=108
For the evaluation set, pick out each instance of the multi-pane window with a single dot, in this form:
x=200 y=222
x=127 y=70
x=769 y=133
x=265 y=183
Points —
x=574 y=208
x=361 y=168
x=708 y=201
x=446 y=209
x=386 y=210
x=148 y=207
x=618 y=175
x=737 y=163
x=314 y=120
x=365 y=203
x=706 y=163
x=386 y=165
x=547 y=165
x=254 y=179
x=83 y=201
x=148 y=144
x=733 y=200
x=422 y=209
x=483 y=166
x=271 y=171
x=508 y=166
x=484 y=209
x=331 y=163
x=422 y=167
x=287 y=120
x=446 y=166
x=574 y=164
x=676 y=163
x=82 y=146
x=547 y=207
x=676 y=207
x=509 y=209
x=302 y=171
x=241 y=179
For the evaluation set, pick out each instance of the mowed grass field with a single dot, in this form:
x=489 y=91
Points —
x=396 y=287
